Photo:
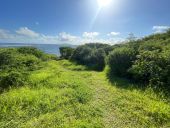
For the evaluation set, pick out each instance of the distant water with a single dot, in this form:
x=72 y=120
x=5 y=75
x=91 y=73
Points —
x=48 y=48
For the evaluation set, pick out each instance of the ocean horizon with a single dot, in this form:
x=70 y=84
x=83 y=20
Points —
x=47 y=48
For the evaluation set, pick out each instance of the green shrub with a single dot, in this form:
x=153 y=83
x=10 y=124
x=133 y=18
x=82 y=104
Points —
x=10 y=59
x=66 y=52
x=151 y=67
x=91 y=56
x=120 y=60
x=29 y=62
x=32 y=51
x=150 y=47
x=82 y=54
x=97 y=59
x=6 y=57
x=14 y=78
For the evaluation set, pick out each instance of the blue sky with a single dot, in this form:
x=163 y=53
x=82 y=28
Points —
x=80 y=21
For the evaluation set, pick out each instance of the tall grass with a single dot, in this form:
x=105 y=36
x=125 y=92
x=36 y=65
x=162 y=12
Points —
x=64 y=95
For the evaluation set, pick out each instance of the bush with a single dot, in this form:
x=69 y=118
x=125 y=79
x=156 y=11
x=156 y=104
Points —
x=66 y=52
x=32 y=51
x=10 y=59
x=90 y=56
x=29 y=62
x=151 y=67
x=13 y=78
x=97 y=59
x=82 y=54
x=6 y=57
x=120 y=60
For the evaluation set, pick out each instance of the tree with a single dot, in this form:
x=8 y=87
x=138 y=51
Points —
x=66 y=52
x=91 y=55
x=120 y=60
x=151 y=67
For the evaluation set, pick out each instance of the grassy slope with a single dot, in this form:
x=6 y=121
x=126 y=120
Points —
x=63 y=95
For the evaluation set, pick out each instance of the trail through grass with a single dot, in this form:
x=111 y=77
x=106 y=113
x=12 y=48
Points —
x=63 y=95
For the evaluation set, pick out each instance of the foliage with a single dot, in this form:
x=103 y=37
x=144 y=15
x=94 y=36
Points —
x=31 y=50
x=152 y=68
x=120 y=60
x=91 y=55
x=36 y=52
x=16 y=63
x=11 y=59
x=13 y=78
x=60 y=96
x=151 y=64
x=66 y=52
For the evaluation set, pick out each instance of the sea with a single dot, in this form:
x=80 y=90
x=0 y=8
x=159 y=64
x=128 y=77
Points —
x=47 y=48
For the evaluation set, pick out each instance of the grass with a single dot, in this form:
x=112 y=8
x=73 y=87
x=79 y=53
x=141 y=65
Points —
x=65 y=95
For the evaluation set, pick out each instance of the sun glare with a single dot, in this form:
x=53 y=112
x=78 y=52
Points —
x=103 y=3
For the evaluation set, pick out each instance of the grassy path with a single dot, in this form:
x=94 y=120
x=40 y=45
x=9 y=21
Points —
x=62 y=95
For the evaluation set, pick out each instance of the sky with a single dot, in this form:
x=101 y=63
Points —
x=81 y=21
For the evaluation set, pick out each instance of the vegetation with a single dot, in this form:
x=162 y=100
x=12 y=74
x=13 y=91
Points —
x=145 y=61
x=66 y=52
x=91 y=55
x=16 y=63
x=62 y=94
x=120 y=60
x=39 y=91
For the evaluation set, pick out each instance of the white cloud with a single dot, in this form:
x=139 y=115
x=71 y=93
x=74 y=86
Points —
x=66 y=37
x=25 y=35
x=47 y=39
x=116 y=40
x=113 y=34
x=160 y=29
x=5 y=34
x=24 y=31
x=90 y=34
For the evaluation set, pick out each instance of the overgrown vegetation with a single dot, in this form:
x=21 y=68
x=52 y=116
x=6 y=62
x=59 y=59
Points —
x=43 y=92
x=91 y=55
x=64 y=95
x=16 y=63
x=145 y=61
x=120 y=60
x=66 y=52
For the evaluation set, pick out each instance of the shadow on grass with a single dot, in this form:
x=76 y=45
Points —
x=123 y=83
x=74 y=66
x=130 y=84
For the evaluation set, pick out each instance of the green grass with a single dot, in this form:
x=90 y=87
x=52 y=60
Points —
x=64 y=95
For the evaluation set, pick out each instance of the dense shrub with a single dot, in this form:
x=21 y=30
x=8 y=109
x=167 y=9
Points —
x=82 y=54
x=14 y=78
x=32 y=51
x=6 y=57
x=29 y=62
x=151 y=67
x=16 y=63
x=10 y=59
x=66 y=52
x=120 y=60
x=97 y=59
x=150 y=47
x=91 y=55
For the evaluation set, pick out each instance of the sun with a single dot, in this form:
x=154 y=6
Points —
x=103 y=3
